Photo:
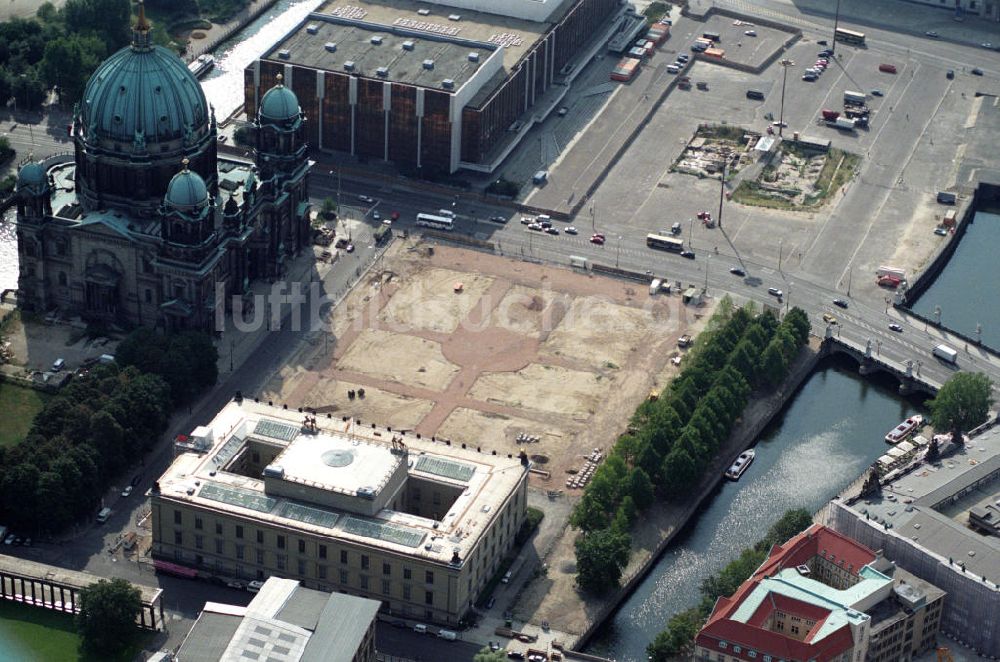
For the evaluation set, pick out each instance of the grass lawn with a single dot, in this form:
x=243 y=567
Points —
x=30 y=634
x=19 y=405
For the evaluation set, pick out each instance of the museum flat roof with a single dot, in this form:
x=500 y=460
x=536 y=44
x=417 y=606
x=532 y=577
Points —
x=929 y=505
x=406 y=39
x=487 y=480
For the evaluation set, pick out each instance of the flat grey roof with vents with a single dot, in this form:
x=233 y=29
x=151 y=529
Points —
x=434 y=37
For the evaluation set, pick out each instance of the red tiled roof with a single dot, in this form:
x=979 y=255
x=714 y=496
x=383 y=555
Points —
x=815 y=541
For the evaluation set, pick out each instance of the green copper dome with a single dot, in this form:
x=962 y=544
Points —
x=186 y=191
x=143 y=95
x=279 y=104
x=31 y=178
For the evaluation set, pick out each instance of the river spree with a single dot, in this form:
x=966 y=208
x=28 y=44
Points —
x=965 y=284
x=828 y=433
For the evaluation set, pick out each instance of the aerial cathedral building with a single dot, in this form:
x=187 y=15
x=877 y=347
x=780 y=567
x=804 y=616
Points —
x=146 y=225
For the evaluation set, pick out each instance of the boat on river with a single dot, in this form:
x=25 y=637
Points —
x=741 y=464
x=201 y=65
x=904 y=429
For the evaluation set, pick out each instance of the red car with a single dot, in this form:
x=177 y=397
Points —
x=597 y=239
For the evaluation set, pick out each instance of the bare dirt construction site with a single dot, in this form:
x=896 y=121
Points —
x=496 y=353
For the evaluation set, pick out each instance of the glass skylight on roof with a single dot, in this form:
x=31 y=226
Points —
x=393 y=533
x=446 y=468
x=238 y=497
x=275 y=430
x=307 y=514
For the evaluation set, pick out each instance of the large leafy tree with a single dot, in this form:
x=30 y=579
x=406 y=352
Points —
x=962 y=403
x=108 y=611
x=601 y=556
x=68 y=63
x=486 y=655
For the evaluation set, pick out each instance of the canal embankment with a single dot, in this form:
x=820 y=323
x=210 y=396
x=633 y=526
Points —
x=984 y=196
x=670 y=521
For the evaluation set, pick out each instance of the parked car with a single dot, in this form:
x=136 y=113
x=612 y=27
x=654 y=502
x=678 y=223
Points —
x=9 y=540
x=255 y=586
x=127 y=491
x=527 y=220
x=683 y=57
x=398 y=624
x=949 y=74
x=750 y=33
x=773 y=291
x=736 y=271
x=235 y=583
x=498 y=219
x=551 y=230
x=376 y=215
x=878 y=93
x=941 y=232
x=931 y=34
x=810 y=77
x=571 y=230
x=987 y=45
x=895 y=327
x=349 y=248
x=562 y=111
x=492 y=601
x=688 y=254
x=825 y=53
x=840 y=303
x=976 y=72
x=597 y=239
x=822 y=42
x=829 y=319
x=365 y=198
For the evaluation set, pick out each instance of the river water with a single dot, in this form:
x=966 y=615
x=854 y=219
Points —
x=825 y=437
x=971 y=269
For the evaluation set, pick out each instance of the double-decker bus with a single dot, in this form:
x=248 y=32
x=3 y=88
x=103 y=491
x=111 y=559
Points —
x=664 y=243
x=849 y=37
x=435 y=222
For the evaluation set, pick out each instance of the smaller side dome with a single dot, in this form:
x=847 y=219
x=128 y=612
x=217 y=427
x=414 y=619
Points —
x=279 y=103
x=32 y=179
x=186 y=190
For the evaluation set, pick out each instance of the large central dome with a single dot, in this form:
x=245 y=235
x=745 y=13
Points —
x=143 y=93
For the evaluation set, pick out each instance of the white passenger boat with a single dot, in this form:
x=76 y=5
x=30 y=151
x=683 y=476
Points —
x=741 y=464
x=904 y=429
x=201 y=65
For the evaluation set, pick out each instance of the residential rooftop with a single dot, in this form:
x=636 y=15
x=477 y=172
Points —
x=328 y=476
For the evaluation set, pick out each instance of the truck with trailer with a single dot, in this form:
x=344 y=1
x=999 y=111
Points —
x=946 y=354
x=854 y=98
x=626 y=69
x=844 y=123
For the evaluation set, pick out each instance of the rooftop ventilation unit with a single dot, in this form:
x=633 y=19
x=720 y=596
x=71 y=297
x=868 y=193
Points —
x=454 y=17
x=803 y=570
x=448 y=84
x=366 y=493
x=376 y=40
x=330 y=47
x=407 y=45
x=274 y=471
x=284 y=54
x=312 y=28
x=349 y=66
x=473 y=57
x=428 y=64
x=382 y=72
x=424 y=12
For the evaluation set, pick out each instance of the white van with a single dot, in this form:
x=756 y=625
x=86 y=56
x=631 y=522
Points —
x=58 y=365
x=946 y=353
x=420 y=628
x=447 y=635
x=673 y=69
x=103 y=516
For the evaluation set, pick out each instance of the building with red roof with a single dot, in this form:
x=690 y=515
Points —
x=823 y=597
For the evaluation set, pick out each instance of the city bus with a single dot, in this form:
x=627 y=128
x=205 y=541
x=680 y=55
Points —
x=850 y=37
x=664 y=243
x=435 y=222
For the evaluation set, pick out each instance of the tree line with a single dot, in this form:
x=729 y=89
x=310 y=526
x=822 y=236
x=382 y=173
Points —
x=673 y=439
x=98 y=425
x=60 y=49
x=681 y=629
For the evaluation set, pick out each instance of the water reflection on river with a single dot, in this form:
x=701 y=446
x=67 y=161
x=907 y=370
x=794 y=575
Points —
x=830 y=431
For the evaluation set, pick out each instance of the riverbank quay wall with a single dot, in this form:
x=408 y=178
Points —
x=58 y=589
x=757 y=415
x=983 y=195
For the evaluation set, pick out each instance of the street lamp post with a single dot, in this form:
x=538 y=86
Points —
x=785 y=63
x=788 y=298
x=708 y=262
x=836 y=24
x=979 y=334
x=593 y=218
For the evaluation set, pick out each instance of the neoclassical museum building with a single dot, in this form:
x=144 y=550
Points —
x=146 y=225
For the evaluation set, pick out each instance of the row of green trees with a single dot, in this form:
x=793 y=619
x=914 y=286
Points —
x=681 y=629
x=98 y=425
x=83 y=437
x=672 y=440
x=60 y=49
